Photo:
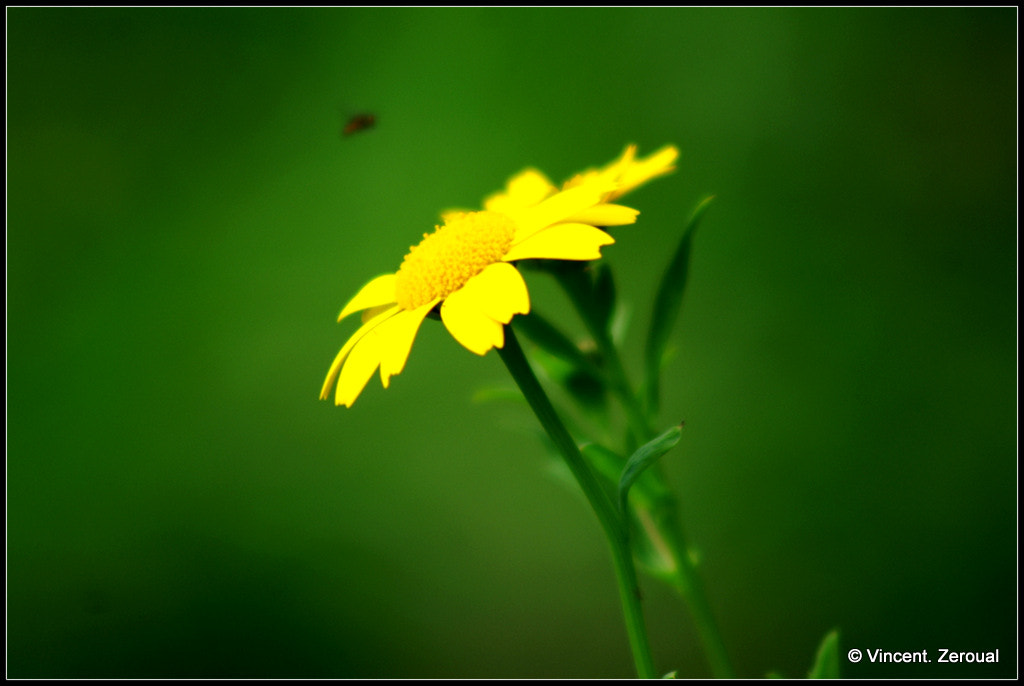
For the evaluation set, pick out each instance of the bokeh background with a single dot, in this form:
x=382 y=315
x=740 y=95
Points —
x=184 y=223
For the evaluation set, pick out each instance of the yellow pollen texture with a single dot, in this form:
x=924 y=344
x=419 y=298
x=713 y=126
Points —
x=445 y=260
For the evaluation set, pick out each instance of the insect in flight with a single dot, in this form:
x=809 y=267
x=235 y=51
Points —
x=360 y=122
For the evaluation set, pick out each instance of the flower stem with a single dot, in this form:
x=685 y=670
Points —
x=614 y=525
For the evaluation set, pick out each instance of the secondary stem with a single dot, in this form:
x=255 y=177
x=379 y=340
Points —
x=686 y=579
x=690 y=586
x=612 y=522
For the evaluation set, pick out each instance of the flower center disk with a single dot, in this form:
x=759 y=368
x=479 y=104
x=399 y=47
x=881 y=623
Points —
x=445 y=260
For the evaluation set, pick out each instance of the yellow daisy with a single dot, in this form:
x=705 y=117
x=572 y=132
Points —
x=465 y=266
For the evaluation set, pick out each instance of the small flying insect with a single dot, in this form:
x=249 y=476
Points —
x=360 y=122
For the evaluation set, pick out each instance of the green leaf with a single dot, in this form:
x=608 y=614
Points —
x=604 y=296
x=667 y=302
x=577 y=280
x=588 y=390
x=826 y=662
x=652 y=508
x=644 y=457
x=548 y=337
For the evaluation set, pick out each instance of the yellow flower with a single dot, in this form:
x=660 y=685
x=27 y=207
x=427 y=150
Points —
x=465 y=266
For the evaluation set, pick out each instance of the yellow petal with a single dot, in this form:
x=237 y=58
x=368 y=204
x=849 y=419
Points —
x=640 y=172
x=609 y=173
x=605 y=215
x=395 y=338
x=358 y=369
x=498 y=292
x=472 y=328
x=556 y=208
x=616 y=168
x=380 y=291
x=562 y=242
x=526 y=189
x=332 y=373
x=372 y=312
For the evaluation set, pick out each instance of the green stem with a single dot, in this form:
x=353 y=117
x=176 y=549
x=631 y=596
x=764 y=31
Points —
x=623 y=389
x=686 y=579
x=614 y=526
x=689 y=585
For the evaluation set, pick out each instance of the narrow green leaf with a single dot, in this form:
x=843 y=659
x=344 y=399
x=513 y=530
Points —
x=547 y=336
x=588 y=390
x=666 y=306
x=566 y=364
x=577 y=280
x=604 y=296
x=826 y=662
x=643 y=458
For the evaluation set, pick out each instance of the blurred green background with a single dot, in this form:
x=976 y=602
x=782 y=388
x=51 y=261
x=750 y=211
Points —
x=185 y=222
